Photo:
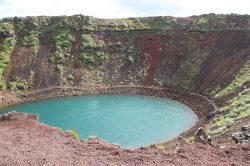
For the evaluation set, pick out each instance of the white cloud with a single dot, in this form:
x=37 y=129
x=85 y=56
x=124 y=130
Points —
x=103 y=8
x=121 y=8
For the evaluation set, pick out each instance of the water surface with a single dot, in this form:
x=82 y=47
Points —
x=130 y=121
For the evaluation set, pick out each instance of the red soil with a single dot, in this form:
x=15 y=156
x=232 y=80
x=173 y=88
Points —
x=26 y=142
x=151 y=44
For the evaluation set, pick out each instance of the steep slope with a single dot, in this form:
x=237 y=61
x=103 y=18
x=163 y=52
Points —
x=208 y=54
x=198 y=53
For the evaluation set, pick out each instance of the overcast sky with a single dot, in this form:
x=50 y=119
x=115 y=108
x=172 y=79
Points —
x=121 y=8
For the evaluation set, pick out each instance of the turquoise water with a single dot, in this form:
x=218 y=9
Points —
x=130 y=121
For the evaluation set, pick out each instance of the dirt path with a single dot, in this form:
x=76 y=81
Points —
x=26 y=142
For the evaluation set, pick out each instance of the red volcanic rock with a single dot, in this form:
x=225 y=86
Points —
x=18 y=116
x=24 y=141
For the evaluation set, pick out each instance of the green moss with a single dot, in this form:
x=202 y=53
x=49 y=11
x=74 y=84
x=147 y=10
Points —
x=242 y=76
x=73 y=134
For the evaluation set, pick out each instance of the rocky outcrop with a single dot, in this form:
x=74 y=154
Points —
x=18 y=116
x=243 y=136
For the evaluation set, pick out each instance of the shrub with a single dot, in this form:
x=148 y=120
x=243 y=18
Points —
x=93 y=58
x=2 y=85
x=88 y=41
x=5 y=52
x=31 y=39
x=62 y=41
x=70 y=77
x=58 y=57
x=6 y=29
x=17 y=85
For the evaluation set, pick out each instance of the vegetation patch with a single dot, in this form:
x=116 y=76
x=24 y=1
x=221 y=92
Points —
x=161 y=147
x=69 y=79
x=163 y=23
x=237 y=108
x=190 y=140
x=6 y=30
x=73 y=134
x=193 y=70
x=242 y=76
x=62 y=41
x=17 y=85
x=93 y=51
x=31 y=39
x=5 y=52
x=93 y=76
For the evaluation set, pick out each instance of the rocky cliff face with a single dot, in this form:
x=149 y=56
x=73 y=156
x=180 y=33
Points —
x=209 y=54
x=199 y=53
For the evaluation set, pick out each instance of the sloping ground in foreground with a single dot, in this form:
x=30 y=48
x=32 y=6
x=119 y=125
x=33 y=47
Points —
x=27 y=142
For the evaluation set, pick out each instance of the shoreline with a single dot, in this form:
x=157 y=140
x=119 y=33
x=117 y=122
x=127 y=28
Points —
x=203 y=108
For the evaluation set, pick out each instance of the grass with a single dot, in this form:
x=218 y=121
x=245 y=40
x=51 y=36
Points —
x=237 y=108
x=242 y=76
x=159 y=23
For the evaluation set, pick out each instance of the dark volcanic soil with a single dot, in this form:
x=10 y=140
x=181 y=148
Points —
x=26 y=142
